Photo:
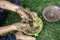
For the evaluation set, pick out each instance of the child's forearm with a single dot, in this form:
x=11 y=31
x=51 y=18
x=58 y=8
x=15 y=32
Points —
x=7 y=5
x=6 y=29
x=10 y=6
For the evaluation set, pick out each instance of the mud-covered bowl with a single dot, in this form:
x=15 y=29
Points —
x=37 y=27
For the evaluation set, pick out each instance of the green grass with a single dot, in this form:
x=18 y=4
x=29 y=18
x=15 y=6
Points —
x=51 y=31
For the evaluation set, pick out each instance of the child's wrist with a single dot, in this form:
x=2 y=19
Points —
x=13 y=27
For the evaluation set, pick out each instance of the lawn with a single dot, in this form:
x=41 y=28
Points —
x=51 y=30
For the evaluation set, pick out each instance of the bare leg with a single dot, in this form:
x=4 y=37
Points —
x=21 y=36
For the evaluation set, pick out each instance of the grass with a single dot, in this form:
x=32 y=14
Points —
x=51 y=31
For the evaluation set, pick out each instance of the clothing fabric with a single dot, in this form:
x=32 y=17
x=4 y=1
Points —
x=8 y=37
x=2 y=17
